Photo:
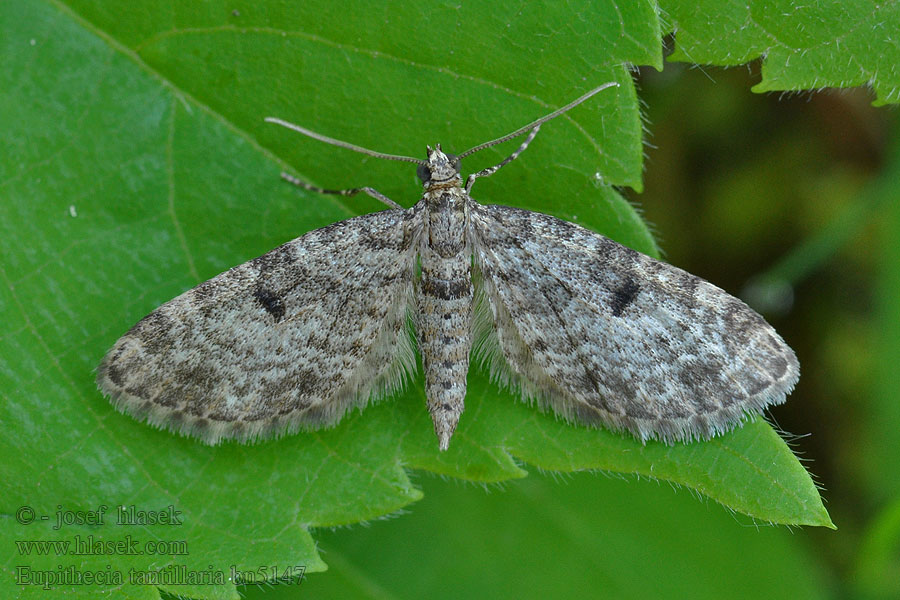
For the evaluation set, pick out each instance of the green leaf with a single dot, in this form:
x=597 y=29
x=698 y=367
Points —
x=581 y=537
x=810 y=45
x=136 y=164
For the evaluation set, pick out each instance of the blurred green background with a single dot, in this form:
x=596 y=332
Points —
x=804 y=187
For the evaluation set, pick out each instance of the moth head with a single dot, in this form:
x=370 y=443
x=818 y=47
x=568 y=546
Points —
x=439 y=167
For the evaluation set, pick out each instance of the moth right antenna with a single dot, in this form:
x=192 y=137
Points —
x=539 y=122
x=532 y=128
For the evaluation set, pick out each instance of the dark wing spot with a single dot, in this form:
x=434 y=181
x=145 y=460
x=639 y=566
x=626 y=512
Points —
x=623 y=296
x=777 y=367
x=269 y=301
x=114 y=374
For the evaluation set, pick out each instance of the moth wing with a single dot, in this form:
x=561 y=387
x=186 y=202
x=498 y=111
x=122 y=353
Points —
x=291 y=339
x=606 y=335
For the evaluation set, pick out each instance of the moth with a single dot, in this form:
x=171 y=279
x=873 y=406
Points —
x=567 y=318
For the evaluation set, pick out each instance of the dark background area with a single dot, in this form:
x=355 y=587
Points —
x=769 y=196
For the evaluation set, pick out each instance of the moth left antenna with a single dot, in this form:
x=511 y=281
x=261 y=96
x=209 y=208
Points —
x=342 y=144
x=531 y=129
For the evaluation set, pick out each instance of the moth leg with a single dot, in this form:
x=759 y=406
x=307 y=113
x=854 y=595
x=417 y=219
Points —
x=349 y=192
x=491 y=170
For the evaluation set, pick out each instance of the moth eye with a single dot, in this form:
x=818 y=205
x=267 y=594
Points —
x=423 y=173
x=454 y=162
